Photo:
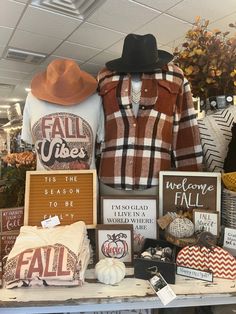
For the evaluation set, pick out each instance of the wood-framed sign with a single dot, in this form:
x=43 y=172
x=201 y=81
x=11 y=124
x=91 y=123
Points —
x=140 y=211
x=194 y=273
x=68 y=194
x=7 y=240
x=189 y=190
x=205 y=220
x=11 y=218
x=115 y=241
x=230 y=240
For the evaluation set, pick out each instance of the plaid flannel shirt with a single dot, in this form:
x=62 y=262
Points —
x=165 y=132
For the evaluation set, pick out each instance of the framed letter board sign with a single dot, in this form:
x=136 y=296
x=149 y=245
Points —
x=70 y=195
x=189 y=190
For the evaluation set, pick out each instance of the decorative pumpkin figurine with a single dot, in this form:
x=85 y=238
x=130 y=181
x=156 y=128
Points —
x=181 y=227
x=110 y=271
x=205 y=255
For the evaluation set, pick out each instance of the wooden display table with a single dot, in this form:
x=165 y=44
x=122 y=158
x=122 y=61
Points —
x=129 y=294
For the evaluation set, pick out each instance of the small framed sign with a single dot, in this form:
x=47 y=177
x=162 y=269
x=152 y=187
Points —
x=11 y=218
x=194 y=273
x=8 y=239
x=115 y=241
x=230 y=240
x=139 y=211
x=189 y=190
x=206 y=221
x=68 y=194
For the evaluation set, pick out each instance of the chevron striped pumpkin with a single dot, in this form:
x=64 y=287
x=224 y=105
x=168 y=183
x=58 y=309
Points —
x=217 y=260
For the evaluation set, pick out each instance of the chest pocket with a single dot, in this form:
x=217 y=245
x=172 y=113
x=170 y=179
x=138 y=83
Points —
x=108 y=93
x=167 y=97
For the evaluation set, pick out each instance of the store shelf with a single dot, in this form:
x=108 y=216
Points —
x=129 y=294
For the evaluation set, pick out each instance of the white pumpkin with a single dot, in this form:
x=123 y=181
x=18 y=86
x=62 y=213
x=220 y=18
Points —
x=181 y=227
x=110 y=271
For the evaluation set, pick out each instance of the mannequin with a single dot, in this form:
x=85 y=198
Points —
x=140 y=143
x=62 y=117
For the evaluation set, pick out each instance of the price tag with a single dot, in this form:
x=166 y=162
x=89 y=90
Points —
x=162 y=289
x=50 y=222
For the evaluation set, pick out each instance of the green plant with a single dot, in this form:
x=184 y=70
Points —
x=208 y=60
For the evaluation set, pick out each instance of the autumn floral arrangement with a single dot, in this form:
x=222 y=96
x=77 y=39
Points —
x=14 y=175
x=208 y=60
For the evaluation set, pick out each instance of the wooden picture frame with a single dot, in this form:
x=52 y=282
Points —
x=140 y=211
x=189 y=190
x=11 y=219
x=69 y=194
x=115 y=241
x=205 y=220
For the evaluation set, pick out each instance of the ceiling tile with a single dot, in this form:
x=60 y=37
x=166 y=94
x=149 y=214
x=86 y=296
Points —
x=10 y=13
x=117 y=47
x=176 y=43
x=5 y=34
x=13 y=74
x=223 y=24
x=123 y=16
x=166 y=48
x=91 y=68
x=34 y=42
x=162 y=27
x=104 y=57
x=75 y=51
x=52 y=23
x=53 y=57
x=160 y=5
x=2 y=48
x=22 y=1
x=6 y=80
x=16 y=66
x=19 y=91
x=95 y=36
x=210 y=9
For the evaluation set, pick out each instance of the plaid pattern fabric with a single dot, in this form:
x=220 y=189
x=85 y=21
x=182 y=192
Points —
x=164 y=133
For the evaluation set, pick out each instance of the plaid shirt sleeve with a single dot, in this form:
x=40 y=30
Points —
x=187 y=149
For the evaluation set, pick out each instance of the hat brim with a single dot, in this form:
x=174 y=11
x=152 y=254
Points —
x=40 y=90
x=119 y=65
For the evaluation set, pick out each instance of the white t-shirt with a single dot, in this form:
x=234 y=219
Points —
x=64 y=136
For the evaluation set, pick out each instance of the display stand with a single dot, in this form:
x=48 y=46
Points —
x=129 y=294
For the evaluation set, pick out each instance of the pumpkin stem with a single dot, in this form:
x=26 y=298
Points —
x=121 y=235
x=206 y=239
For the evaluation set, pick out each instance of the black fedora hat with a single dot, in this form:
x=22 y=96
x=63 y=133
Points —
x=140 y=54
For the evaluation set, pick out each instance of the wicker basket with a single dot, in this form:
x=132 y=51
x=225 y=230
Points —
x=228 y=208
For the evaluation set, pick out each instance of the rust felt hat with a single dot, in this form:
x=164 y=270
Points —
x=63 y=83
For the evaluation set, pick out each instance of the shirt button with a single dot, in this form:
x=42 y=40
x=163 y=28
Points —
x=134 y=125
x=128 y=107
x=145 y=90
x=126 y=90
x=143 y=107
